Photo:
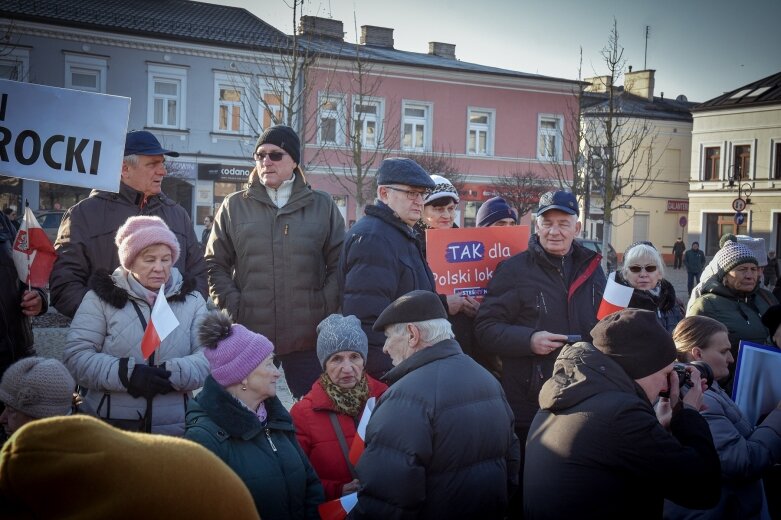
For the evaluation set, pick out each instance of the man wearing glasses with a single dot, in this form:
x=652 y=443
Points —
x=382 y=258
x=273 y=253
x=537 y=299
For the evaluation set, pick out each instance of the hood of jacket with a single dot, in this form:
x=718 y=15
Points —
x=113 y=288
x=715 y=285
x=580 y=372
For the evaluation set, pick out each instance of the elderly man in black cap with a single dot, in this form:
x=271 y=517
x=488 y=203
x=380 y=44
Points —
x=440 y=443
x=85 y=240
x=382 y=257
x=273 y=254
x=536 y=300
x=599 y=449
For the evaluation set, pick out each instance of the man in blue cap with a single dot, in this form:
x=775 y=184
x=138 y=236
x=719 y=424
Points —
x=535 y=300
x=85 y=240
x=382 y=257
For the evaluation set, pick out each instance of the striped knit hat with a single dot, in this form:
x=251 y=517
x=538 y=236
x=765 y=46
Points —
x=443 y=188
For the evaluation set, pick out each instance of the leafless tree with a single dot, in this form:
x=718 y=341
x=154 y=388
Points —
x=523 y=189
x=440 y=163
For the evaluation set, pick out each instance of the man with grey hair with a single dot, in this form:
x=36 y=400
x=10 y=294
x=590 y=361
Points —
x=440 y=443
x=85 y=240
x=535 y=301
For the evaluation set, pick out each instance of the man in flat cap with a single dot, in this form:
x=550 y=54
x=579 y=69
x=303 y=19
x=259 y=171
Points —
x=535 y=300
x=440 y=443
x=85 y=240
x=599 y=449
x=382 y=257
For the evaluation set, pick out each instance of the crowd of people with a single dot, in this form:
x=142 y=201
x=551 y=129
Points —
x=522 y=405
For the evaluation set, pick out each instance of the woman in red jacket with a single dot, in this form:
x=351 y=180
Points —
x=327 y=417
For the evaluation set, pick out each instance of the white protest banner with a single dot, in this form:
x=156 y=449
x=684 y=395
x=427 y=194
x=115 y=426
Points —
x=62 y=136
x=757 y=387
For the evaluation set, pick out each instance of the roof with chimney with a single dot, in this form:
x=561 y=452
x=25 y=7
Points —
x=766 y=91
x=630 y=105
x=181 y=20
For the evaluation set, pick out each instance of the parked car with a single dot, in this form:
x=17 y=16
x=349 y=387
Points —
x=596 y=245
x=50 y=222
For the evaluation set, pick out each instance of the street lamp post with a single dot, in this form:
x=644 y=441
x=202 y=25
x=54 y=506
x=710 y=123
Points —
x=734 y=177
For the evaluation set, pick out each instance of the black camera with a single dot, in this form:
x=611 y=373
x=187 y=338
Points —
x=684 y=376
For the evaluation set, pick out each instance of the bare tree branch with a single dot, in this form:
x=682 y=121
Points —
x=523 y=189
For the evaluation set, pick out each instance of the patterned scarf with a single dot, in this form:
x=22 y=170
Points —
x=349 y=402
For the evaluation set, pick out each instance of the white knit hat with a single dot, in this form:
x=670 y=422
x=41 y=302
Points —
x=442 y=188
x=38 y=387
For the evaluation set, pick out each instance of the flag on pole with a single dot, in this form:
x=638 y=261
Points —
x=339 y=508
x=162 y=322
x=359 y=443
x=33 y=252
x=616 y=297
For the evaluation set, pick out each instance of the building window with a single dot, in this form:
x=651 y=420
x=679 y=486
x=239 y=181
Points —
x=712 y=163
x=367 y=121
x=416 y=127
x=777 y=163
x=14 y=64
x=480 y=130
x=331 y=118
x=229 y=106
x=86 y=73
x=742 y=161
x=167 y=87
x=272 y=107
x=549 y=138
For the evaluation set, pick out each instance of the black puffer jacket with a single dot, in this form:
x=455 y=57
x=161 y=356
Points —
x=669 y=310
x=596 y=448
x=440 y=442
x=528 y=293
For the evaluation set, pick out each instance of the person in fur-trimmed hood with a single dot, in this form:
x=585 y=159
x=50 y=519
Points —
x=103 y=347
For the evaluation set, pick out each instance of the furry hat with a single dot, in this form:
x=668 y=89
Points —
x=138 y=233
x=38 y=387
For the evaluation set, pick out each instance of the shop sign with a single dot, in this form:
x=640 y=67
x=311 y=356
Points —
x=224 y=172
x=678 y=205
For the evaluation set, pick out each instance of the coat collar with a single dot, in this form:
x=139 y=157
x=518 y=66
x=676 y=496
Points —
x=580 y=255
x=134 y=197
x=113 y=288
x=299 y=195
x=435 y=352
x=384 y=212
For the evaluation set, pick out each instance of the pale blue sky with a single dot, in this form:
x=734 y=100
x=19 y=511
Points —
x=700 y=48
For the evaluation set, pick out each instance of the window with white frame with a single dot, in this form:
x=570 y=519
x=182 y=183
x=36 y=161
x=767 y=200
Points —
x=480 y=126
x=272 y=106
x=167 y=88
x=14 y=64
x=416 y=126
x=86 y=73
x=367 y=121
x=711 y=163
x=230 y=97
x=331 y=115
x=549 y=138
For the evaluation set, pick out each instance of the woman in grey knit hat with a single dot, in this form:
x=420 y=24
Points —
x=327 y=417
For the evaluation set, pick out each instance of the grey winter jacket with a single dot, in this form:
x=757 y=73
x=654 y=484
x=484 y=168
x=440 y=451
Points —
x=85 y=241
x=107 y=327
x=274 y=269
x=440 y=443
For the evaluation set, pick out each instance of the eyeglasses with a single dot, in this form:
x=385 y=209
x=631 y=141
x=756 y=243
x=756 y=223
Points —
x=411 y=195
x=638 y=268
x=274 y=156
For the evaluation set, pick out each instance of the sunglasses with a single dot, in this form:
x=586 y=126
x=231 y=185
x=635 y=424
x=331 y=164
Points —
x=638 y=268
x=274 y=156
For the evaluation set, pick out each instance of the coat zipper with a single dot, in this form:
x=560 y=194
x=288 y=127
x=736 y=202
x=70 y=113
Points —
x=268 y=436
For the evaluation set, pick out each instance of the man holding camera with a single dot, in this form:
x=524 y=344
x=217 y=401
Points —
x=598 y=448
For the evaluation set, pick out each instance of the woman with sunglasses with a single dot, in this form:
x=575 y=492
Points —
x=273 y=253
x=643 y=270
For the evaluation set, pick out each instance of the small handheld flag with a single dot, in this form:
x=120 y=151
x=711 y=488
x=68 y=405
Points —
x=162 y=322
x=33 y=253
x=616 y=297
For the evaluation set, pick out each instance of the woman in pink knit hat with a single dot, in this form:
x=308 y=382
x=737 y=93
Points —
x=103 y=348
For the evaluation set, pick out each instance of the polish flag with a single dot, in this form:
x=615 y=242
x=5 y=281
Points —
x=33 y=252
x=616 y=297
x=339 y=508
x=162 y=322
x=356 y=450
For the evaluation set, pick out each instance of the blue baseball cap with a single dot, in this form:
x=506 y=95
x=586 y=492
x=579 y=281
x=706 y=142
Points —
x=145 y=143
x=560 y=200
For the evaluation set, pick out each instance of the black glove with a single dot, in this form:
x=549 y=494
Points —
x=145 y=381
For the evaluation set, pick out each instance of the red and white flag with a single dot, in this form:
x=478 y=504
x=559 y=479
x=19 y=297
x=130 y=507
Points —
x=356 y=450
x=33 y=252
x=339 y=508
x=616 y=297
x=162 y=322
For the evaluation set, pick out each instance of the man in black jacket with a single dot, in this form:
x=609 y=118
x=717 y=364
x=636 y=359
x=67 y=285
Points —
x=440 y=442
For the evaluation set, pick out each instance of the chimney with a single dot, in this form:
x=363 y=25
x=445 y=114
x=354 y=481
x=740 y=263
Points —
x=322 y=27
x=443 y=50
x=377 y=36
x=599 y=84
x=640 y=83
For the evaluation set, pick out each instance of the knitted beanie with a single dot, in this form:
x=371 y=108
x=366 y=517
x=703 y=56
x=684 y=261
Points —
x=732 y=255
x=38 y=387
x=233 y=351
x=339 y=333
x=727 y=237
x=634 y=339
x=138 y=233
x=443 y=188
x=284 y=137
x=495 y=209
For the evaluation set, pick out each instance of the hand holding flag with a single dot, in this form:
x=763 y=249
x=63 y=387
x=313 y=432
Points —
x=161 y=323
